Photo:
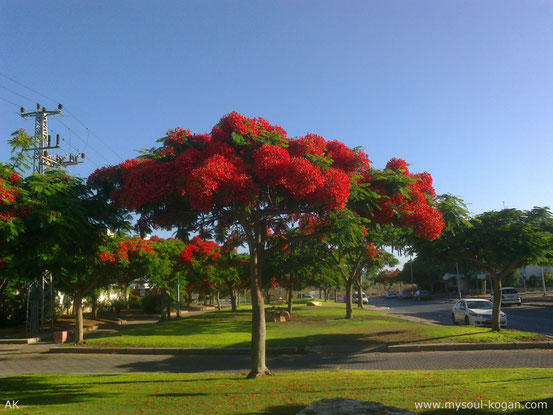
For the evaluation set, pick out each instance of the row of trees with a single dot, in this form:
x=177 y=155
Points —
x=303 y=207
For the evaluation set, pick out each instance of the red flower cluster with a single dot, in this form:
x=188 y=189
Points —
x=131 y=247
x=245 y=126
x=222 y=170
x=415 y=211
x=10 y=197
x=346 y=159
x=199 y=249
x=220 y=181
x=372 y=251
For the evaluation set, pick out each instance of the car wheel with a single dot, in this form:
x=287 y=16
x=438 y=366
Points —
x=519 y=304
x=453 y=319
x=467 y=321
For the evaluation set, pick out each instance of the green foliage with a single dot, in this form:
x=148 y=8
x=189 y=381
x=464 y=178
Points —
x=22 y=148
x=151 y=303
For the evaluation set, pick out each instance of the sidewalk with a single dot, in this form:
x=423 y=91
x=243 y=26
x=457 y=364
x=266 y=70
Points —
x=18 y=364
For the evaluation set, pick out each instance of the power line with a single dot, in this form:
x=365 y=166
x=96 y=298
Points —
x=70 y=144
x=66 y=110
x=92 y=132
x=83 y=140
x=18 y=94
x=27 y=87
x=8 y=101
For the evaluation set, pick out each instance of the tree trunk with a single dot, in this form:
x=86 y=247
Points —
x=218 y=300
x=78 y=307
x=496 y=323
x=233 y=302
x=258 y=325
x=163 y=307
x=94 y=311
x=484 y=283
x=290 y=297
x=349 y=299
x=359 y=296
x=256 y=246
x=168 y=296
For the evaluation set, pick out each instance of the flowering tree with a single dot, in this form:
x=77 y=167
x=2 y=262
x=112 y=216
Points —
x=246 y=176
x=201 y=260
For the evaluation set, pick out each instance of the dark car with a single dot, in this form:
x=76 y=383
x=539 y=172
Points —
x=423 y=295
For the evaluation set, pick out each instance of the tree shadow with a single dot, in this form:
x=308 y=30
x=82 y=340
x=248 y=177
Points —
x=279 y=410
x=39 y=390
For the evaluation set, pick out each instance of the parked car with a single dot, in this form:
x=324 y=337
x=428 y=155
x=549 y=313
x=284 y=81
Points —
x=356 y=297
x=405 y=294
x=509 y=295
x=476 y=312
x=422 y=295
x=390 y=294
x=304 y=296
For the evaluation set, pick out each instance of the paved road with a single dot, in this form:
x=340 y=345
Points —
x=14 y=362
x=537 y=319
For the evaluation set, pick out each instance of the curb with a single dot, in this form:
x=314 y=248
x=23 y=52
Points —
x=434 y=347
x=277 y=351
x=28 y=340
x=174 y=350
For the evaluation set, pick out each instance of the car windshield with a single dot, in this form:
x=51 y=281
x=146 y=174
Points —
x=481 y=305
x=510 y=291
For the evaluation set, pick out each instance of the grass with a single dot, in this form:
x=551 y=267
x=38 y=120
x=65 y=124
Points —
x=309 y=326
x=286 y=393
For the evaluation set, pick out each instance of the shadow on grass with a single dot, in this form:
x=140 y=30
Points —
x=39 y=390
x=354 y=341
x=279 y=410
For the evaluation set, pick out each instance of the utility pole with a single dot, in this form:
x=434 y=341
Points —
x=41 y=161
x=458 y=283
x=41 y=158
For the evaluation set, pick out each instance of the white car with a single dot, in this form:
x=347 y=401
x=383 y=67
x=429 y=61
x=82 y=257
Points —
x=509 y=295
x=477 y=312
x=390 y=294
x=365 y=299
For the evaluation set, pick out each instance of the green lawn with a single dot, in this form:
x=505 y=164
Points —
x=309 y=326
x=281 y=394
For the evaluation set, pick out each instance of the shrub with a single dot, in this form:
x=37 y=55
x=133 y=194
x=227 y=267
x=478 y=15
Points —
x=151 y=303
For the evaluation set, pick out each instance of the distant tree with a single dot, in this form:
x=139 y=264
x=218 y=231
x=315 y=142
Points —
x=387 y=277
x=498 y=242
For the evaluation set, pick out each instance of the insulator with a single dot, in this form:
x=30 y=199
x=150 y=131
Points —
x=57 y=140
x=22 y=110
x=83 y=156
x=37 y=106
x=43 y=109
x=60 y=107
x=49 y=140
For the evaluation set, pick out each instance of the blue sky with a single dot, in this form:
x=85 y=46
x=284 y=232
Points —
x=461 y=89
